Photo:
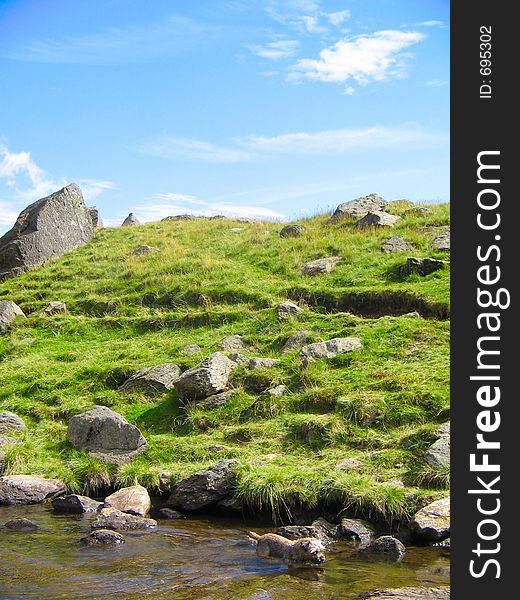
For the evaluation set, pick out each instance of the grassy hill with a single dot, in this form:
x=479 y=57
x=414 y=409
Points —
x=379 y=404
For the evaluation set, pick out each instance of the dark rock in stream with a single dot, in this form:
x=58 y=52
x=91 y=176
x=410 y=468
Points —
x=111 y=518
x=28 y=489
x=169 y=513
x=103 y=537
x=75 y=504
x=357 y=529
x=408 y=593
x=24 y=525
x=385 y=547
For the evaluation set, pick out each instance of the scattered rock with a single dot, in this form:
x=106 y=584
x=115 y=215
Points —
x=75 y=504
x=46 y=230
x=130 y=221
x=348 y=463
x=233 y=343
x=133 y=500
x=103 y=537
x=421 y=266
x=153 y=380
x=209 y=377
x=28 y=489
x=292 y=231
x=386 y=546
x=438 y=454
x=10 y=422
x=54 y=308
x=321 y=266
x=112 y=518
x=218 y=448
x=397 y=483
x=418 y=211
x=106 y=435
x=97 y=222
x=442 y=241
x=416 y=593
x=295 y=342
x=253 y=363
x=21 y=525
x=8 y=313
x=142 y=250
x=229 y=505
x=277 y=391
x=192 y=349
x=357 y=529
x=288 y=310
x=296 y=532
x=179 y=218
x=236 y=229
x=359 y=207
x=396 y=244
x=377 y=219
x=324 y=530
x=217 y=400
x=432 y=523
x=169 y=513
x=204 y=488
x=331 y=348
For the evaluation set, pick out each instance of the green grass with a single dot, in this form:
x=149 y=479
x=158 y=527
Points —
x=379 y=404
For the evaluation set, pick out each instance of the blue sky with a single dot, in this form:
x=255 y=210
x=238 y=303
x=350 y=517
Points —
x=274 y=109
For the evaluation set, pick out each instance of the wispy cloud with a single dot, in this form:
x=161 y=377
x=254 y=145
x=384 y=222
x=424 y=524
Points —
x=365 y=58
x=117 y=45
x=92 y=188
x=337 y=18
x=259 y=147
x=276 y=50
x=437 y=82
x=430 y=24
x=171 y=203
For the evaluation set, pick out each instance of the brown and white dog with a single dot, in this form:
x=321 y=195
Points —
x=304 y=550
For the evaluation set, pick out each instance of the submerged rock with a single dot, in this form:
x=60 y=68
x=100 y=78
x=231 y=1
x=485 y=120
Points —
x=75 y=504
x=46 y=230
x=204 y=488
x=28 y=489
x=209 y=377
x=134 y=500
x=8 y=313
x=112 y=518
x=359 y=207
x=102 y=537
x=21 y=525
x=169 y=513
x=386 y=547
x=152 y=380
x=106 y=435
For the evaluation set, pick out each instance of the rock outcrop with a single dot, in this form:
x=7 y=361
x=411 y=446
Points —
x=8 y=313
x=209 y=377
x=153 y=380
x=46 y=230
x=204 y=488
x=106 y=435
x=438 y=454
x=10 y=422
x=97 y=222
x=28 y=489
x=359 y=207
x=130 y=221
x=442 y=241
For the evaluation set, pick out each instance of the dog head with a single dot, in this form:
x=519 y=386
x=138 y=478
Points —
x=312 y=551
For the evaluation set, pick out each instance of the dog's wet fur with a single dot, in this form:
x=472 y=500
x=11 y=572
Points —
x=304 y=550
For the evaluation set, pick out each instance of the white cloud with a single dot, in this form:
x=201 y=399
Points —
x=311 y=24
x=337 y=18
x=276 y=50
x=92 y=188
x=431 y=24
x=364 y=58
x=437 y=82
x=171 y=203
x=184 y=148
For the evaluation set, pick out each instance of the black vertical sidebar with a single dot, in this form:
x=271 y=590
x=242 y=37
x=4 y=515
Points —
x=483 y=127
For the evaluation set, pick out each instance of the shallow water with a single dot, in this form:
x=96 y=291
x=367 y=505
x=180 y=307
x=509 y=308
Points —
x=192 y=559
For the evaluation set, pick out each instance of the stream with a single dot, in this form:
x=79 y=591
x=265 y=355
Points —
x=192 y=559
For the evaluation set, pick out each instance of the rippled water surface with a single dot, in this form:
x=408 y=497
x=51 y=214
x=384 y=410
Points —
x=194 y=559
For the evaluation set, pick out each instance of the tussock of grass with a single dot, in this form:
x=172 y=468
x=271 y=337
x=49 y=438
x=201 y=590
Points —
x=379 y=405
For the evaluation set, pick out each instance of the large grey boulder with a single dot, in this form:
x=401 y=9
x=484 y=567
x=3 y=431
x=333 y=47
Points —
x=130 y=221
x=357 y=529
x=385 y=547
x=432 y=523
x=209 y=377
x=442 y=241
x=97 y=222
x=10 y=422
x=153 y=380
x=117 y=520
x=46 y=230
x=106 y=435
x=438 y=454
x=420 y=266
x=204 y=488
x=377 y=218
x=330 y=348
x=292 y=231
x=75 y=504
x=288 y=310
x=133 y=500
x=359 y=207
x=8 y=313
x=28 y=489
x=396 y=244
x=321 y=266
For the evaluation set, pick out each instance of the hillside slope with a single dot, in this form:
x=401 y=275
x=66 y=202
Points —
x=215 y=278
